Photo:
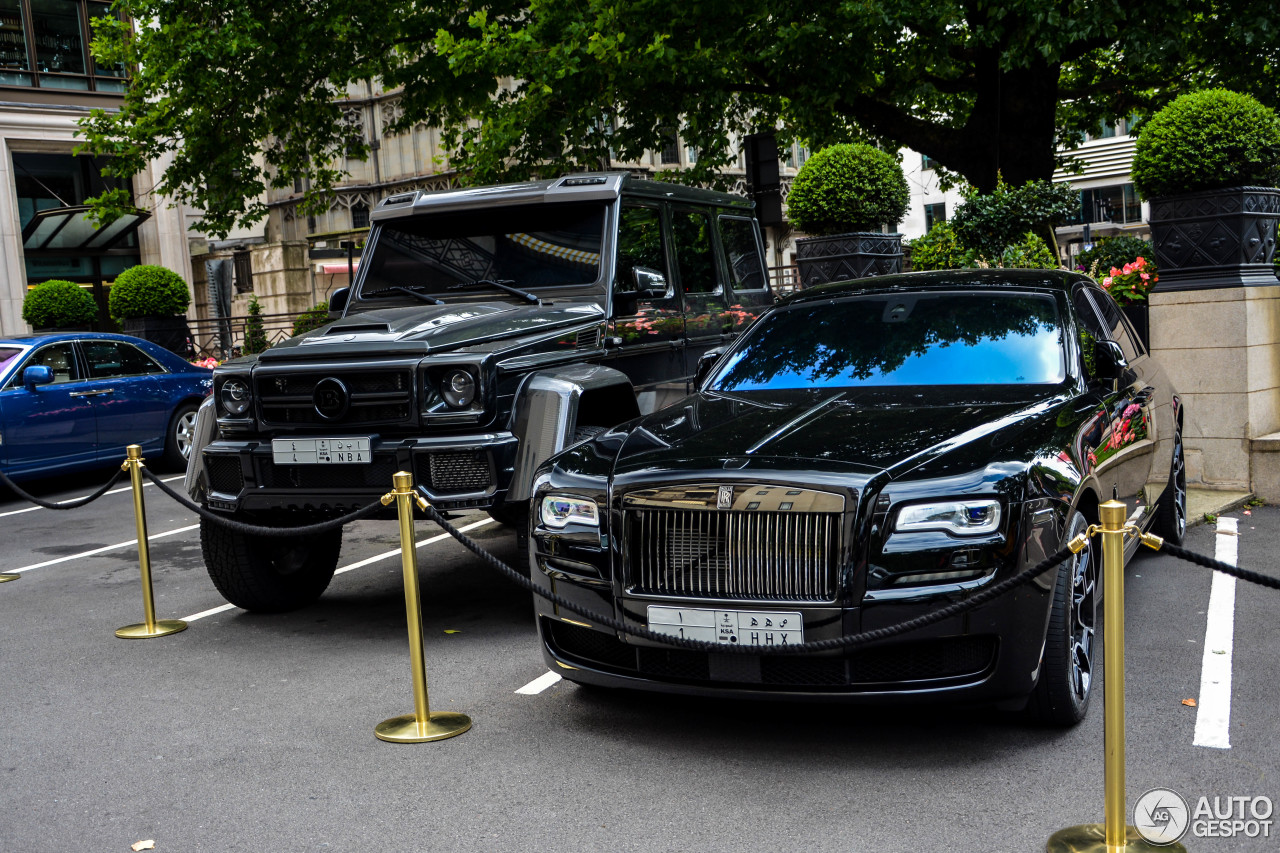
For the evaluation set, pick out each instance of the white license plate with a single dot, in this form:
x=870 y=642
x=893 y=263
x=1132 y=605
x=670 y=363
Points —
x=741 y=627
x=320 y=451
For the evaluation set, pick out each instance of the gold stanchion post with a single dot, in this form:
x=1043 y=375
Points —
x=422 y=725
x=1114 y=835
x=151 y=627
x=6 y=576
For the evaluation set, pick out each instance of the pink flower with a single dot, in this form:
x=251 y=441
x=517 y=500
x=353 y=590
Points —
x=1146 y=276
x=1106 y=282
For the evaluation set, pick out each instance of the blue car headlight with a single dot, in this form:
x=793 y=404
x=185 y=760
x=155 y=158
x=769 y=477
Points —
x=559 y=511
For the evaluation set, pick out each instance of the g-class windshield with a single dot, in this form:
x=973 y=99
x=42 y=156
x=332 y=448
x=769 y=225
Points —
x=529 y=246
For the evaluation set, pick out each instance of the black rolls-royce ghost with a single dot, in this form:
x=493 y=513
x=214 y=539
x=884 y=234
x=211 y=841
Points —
x=865 y=453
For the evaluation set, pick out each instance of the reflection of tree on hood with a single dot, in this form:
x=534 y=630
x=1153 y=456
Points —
x=861 y=337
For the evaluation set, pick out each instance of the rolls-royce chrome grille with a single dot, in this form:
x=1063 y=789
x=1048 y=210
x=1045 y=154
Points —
x=734 y=542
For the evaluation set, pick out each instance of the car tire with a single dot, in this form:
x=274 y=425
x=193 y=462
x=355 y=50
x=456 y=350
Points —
x=179 y=437
x=1062 y=692
x=1171 y=514
x=269 y=574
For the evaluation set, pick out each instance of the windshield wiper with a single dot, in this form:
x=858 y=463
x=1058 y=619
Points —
x=416 y=294
x=501 y=284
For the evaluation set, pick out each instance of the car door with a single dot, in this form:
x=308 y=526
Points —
x=1126 y=433
x=48 y=429
x=742 y=254
x=700 y=280
x=130 y=401
x=648 y=331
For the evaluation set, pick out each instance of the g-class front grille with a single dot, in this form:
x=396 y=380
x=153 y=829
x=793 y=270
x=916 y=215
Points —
x=454 y=472
x=347 y=397
x=225 y=474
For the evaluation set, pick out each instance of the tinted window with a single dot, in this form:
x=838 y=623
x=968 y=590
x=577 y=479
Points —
x=110 y=358
x=57 y=357
x=695 y=257
x=902 y=339
x=1117 y=326
x=545 y=245
x=639 y=244
x=742 y=252
x=1091 y=329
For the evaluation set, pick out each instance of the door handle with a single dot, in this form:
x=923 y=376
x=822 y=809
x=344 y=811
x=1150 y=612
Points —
x=92 y=393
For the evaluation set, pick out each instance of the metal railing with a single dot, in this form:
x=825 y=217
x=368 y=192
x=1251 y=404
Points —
x=223 y=337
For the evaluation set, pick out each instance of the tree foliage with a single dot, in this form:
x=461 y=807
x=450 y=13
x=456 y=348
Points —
x=241 y=93
x=313 y=318
x=255 y=335
x=987 y=223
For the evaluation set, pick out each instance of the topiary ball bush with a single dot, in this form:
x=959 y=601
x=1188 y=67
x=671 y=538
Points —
x=1206 y=141
x=313 y=318
x=852 y=187
x=58 y=303
x=148 y=291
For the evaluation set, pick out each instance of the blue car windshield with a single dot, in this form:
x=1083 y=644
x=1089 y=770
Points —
x=900 y=339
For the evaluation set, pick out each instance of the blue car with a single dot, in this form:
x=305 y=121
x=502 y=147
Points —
x=75 y=401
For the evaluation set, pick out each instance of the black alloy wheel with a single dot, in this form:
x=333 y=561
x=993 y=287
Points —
x=1061 y=696
x=1171 y=518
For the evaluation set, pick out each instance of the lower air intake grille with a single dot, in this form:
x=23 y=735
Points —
x=224 y=473
x=454 y=472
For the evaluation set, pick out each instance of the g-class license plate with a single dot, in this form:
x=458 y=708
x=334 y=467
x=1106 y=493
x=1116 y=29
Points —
x=320 y=451
x=745 y=627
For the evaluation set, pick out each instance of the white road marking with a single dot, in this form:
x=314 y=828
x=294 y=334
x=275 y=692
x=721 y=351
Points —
x=1213 y=712
x=357 y=565
x=112 y=492
x=130 y=544
x=539 y=684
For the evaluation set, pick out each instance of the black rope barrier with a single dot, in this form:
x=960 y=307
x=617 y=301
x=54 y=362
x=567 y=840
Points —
x=255 y=530
x=1219 y=566
x=72 y=504
x=849 y=641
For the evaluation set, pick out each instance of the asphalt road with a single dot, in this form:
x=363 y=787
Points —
x=254 y=733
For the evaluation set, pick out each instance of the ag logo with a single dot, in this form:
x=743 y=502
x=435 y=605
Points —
x=1161 y=816
x=331 y=398
x=724 y=497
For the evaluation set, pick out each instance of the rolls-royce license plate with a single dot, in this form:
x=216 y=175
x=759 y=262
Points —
x=320 y=451
x=745 y=627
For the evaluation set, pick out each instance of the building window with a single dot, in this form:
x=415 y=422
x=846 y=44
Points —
x=933 y=214
x=45 y=44
x=1119 y=203
x=927 y=162
x=359 y=216
x=671 y=150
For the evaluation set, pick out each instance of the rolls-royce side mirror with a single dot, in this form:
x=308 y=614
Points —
x=37 y=374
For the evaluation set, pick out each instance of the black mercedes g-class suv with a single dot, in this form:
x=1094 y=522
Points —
x=487 y=329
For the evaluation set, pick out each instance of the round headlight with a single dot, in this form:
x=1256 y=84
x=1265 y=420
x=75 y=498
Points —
x=235 y=397
x=458 y=389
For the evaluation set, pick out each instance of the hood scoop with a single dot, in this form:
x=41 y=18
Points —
x=359 y=329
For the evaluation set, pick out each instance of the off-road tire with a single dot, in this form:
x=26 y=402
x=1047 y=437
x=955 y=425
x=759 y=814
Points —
x=181 y=430
x=269 y=574
x=1062 y=692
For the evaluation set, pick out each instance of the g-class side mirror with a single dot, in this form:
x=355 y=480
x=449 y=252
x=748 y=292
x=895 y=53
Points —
x=649 y=283
x=338 y=302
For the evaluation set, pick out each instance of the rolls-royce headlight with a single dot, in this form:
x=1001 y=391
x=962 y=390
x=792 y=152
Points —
x=458 y=388
x=963 y=518
x=558 y=511
x=235 y=397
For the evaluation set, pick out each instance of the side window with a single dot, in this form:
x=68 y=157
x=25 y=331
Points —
x=1117 y=326
x=639 y=244
x=60 y=359
x=742 y=252
x=109 y=359
x=695 y=255
x=1091 y=328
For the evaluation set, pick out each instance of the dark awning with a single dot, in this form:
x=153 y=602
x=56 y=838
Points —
x=73 y=229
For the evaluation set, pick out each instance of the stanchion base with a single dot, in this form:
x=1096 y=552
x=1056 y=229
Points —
x=164 y=627
x=1092 y=838
x=8 y=577
x=404 y=729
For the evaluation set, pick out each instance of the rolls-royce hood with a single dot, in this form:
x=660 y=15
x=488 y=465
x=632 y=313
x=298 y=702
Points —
x=828 y=429
x=431 y=328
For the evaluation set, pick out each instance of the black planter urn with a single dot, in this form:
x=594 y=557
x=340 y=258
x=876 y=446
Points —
x=172 y=333
x=840 y=257
x=1220 y=238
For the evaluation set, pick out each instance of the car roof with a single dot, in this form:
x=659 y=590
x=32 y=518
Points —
x=53 y=337
x=987 y=279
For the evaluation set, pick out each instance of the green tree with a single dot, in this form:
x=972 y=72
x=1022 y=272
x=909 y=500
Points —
x=255 y=335
x=242 y=93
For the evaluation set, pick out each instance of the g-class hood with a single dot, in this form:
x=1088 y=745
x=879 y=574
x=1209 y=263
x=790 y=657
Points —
x=826 y=429
x=432 y=328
